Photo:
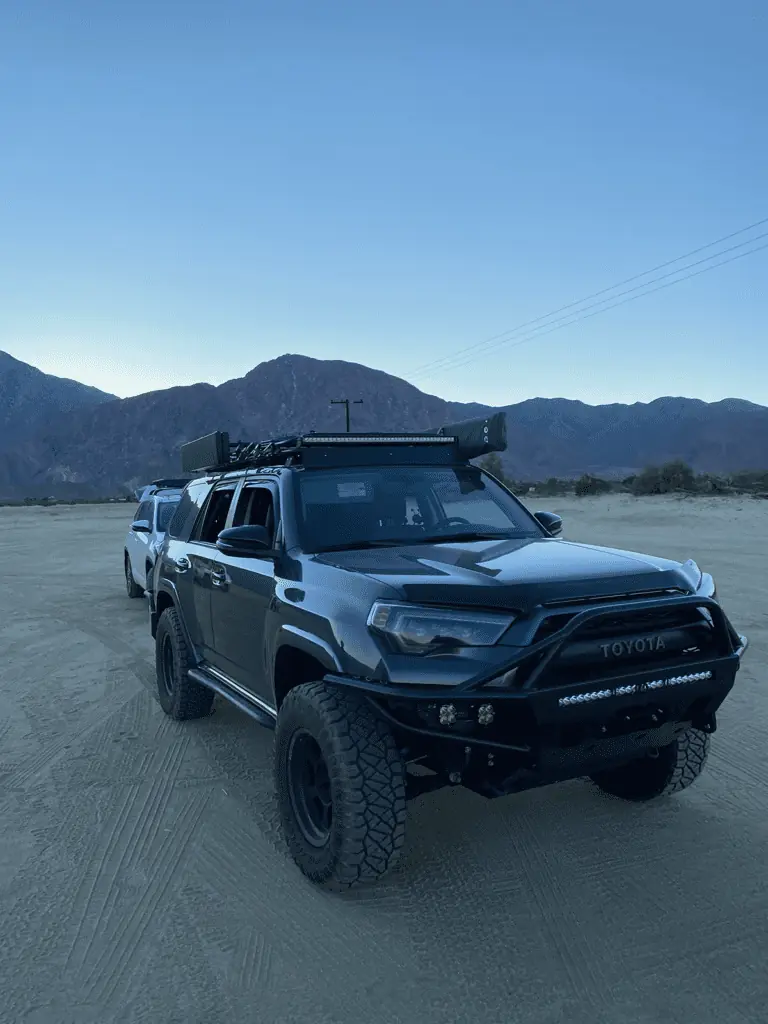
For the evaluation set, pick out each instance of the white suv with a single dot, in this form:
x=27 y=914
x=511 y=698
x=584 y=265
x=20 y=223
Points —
x=145 y=537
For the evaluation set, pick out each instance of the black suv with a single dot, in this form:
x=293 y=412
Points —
x=405 y=623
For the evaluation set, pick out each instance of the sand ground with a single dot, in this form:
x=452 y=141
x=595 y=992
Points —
x=143 y=876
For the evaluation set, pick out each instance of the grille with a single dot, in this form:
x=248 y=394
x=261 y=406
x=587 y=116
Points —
x=621 y=642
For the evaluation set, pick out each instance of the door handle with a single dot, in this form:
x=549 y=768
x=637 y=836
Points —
x=218 y=577
x=182 y=563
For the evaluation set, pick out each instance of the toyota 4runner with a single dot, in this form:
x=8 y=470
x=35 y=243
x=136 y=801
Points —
x=404 y=623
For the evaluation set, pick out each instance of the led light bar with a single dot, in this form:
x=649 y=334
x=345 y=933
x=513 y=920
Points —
x=626 y=690
x=377 y=439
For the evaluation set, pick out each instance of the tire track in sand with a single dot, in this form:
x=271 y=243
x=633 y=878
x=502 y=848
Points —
x=107 y=973
x=135 y=826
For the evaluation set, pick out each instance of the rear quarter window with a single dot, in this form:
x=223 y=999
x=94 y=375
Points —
x=165 y=513
x=180 y=526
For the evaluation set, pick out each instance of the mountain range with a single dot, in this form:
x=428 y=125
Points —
x=59 y=437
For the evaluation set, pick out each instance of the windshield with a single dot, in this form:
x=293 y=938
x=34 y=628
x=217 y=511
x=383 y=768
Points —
x=405 y=505
x=165 y=510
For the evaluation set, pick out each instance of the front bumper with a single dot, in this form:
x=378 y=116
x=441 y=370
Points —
x=542 y=717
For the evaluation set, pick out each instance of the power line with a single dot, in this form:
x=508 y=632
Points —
x=570 y=305
x=451 y=364
x=539 y=333
x=345 y=402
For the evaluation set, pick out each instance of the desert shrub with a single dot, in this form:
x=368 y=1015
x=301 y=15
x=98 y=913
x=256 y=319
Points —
x=750 y=480
x=672 y=476
x=492 y=464
x=553 y=486
x=589 y=485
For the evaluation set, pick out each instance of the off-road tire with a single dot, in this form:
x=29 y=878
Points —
x=367 y=786
x=134 y=590
x=673 y=769
x=183 y=698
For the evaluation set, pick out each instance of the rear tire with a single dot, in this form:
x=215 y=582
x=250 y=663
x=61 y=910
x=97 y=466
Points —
x=340 y=785
x=180 y=697
x=673 y=769
x=132 y=587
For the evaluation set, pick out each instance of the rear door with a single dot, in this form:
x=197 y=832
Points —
x=175 y=562
x=242 y=592
x=201 y=557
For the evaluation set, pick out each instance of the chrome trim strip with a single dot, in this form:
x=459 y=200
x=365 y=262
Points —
x=228 y=681
x=316 y=641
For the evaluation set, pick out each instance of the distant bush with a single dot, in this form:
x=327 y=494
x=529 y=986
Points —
x=492 y=464
x=672 y=476
x=589 y=485
x=749 y=480
x=554 y=486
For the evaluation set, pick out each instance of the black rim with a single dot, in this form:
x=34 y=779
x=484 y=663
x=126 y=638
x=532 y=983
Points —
x=167 y=664
x=309 y=785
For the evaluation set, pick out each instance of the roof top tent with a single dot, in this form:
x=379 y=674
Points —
x=460 y=442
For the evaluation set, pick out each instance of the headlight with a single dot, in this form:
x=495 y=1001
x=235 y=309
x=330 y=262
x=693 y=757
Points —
x=707 y=587
x=415 y=630
x=693 y=573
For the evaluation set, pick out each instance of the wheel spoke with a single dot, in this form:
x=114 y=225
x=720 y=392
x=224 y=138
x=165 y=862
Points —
x=310 y=788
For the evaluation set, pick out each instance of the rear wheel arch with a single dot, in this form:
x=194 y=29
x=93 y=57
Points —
x=158 y=604
x=163 y=600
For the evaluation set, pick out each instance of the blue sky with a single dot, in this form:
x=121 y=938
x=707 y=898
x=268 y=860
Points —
x=187 y=189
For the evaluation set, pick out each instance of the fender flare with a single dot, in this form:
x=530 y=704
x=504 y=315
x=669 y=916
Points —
x=302 y=640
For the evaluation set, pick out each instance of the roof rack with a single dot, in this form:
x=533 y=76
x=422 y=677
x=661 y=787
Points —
x=216 y=453
x=171 y=482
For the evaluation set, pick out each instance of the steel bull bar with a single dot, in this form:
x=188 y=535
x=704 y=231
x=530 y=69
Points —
x=674 y=685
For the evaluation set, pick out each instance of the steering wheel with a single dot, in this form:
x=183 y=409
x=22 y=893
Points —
x=450 y=521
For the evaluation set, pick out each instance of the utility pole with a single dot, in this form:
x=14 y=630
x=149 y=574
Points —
x=345 y=403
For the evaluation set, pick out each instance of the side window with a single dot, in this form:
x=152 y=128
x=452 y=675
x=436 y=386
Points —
x=255 y=507
x=187 y=510
x=144 y=511
x=165 y=512
x=214 y=516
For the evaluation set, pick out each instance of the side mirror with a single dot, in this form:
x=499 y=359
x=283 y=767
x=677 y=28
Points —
x=245 y=542
x=141 y=526
x=551 y=522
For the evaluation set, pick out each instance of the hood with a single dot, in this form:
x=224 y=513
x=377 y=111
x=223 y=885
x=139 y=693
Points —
x=516 y=574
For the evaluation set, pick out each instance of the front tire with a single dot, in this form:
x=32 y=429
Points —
x=340 y=784
x=180 y=697
x=672 y=769
x=131 y=586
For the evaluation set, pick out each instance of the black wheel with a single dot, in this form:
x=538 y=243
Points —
x=180 y=697
x=668 y=770
x=134 y=590
x=340 y=785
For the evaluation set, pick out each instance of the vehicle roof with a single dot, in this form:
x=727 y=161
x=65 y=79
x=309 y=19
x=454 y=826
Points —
x=257 y=472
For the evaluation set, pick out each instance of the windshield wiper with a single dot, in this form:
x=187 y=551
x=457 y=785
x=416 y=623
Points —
x=397 y=542
x=361 y=545
x=468 y=535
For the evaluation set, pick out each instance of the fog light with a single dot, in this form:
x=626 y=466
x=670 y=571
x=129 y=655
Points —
x=447 y=714
x=485 y=714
